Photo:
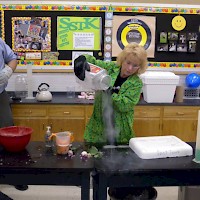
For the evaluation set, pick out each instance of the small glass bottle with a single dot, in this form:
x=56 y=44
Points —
x=48 y=143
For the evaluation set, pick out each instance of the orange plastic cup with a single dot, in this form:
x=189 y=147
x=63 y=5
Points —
x=63 y=141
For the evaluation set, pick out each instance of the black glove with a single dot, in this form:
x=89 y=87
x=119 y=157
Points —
x=80 y=65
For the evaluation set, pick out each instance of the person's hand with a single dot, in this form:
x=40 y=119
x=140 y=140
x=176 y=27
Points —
x=5 y=74
x=80 y=65
x=109 y=90
x=112 y=90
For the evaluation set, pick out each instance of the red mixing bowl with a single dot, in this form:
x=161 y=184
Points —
x=15 y=138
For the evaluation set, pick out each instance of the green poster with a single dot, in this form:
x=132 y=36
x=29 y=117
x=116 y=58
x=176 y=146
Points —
x=78 y=33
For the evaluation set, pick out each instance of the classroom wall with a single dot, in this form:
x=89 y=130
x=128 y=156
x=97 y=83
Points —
x=59 y=81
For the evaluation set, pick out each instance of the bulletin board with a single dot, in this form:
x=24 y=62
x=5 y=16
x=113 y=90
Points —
x=63 y=54
x=163 y=24
x=164 y=16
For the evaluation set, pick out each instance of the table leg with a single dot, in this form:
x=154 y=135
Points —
x=95 y=184
x=85 y=186
x=102 y=187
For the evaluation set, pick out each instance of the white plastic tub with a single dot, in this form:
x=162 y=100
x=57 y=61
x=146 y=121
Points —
x=159 y=87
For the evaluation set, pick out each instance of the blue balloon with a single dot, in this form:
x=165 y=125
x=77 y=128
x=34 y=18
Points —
x=192 y=80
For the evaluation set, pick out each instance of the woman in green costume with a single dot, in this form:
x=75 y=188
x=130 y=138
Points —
x=131 y=62
x=125 y=93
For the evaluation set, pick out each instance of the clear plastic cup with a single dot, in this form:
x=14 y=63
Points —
x=70 y=91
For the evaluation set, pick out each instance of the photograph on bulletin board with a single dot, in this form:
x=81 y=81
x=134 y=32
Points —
x=139 y=29
x=78 y=33
x=50 y=55
x=31 y=33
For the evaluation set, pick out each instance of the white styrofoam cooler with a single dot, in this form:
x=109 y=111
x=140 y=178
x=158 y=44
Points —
x=160 y=147
x=159 y=87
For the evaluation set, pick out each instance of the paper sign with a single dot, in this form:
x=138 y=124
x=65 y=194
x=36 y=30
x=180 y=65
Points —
x=81 y=33
x=33 y=56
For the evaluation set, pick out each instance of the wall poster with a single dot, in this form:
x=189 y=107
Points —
x=139 y=29
x=31 y=33
x=78 y=33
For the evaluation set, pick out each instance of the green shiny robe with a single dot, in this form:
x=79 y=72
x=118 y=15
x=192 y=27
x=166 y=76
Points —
x=123 y=105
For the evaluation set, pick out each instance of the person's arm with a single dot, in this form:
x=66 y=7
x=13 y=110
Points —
x=81 y=64
x=12 y=64
x=10 y=59
x=5 y=74
x=100 y=63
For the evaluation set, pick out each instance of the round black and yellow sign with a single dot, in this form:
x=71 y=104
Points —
x=134 y=30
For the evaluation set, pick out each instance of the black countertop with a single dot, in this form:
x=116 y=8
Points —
x=38 y=165
x=123 y=159
x=61 y=98
x=121 y=167
x=37 y=156
x=58 y=98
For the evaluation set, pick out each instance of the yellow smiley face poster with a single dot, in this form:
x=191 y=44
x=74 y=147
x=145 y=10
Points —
x=139 y=29
x=178 y=23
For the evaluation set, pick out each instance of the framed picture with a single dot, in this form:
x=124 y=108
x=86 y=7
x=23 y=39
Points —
x=163 y=37
x=172 y=46
x=173 y=36
x=181 y=47
x=192 y=36
x=192 y=46
x=182 y=38
x=162 y=47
